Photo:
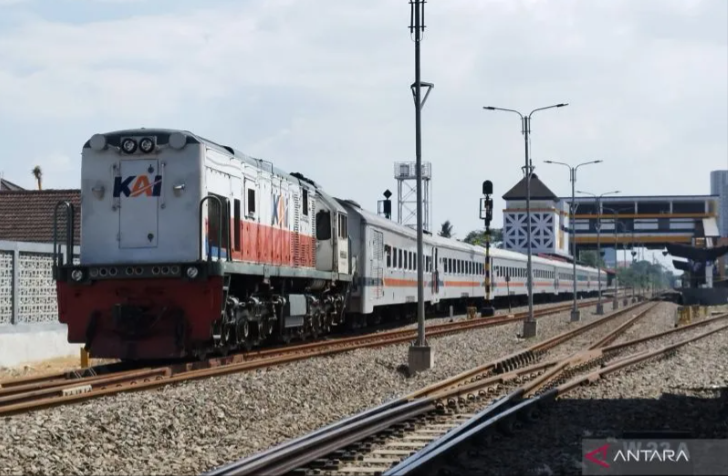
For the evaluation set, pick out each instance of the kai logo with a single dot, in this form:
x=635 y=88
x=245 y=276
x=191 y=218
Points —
x=280 y=211
x=138 y=185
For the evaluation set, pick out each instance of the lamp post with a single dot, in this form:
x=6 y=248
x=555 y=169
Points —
x=575 y=314
x=529 y=324
x=600 y=307
x=420 y=355
x=486 y=214
x=615 y=300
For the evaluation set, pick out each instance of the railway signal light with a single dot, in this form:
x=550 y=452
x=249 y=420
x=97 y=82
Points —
x=486 y=214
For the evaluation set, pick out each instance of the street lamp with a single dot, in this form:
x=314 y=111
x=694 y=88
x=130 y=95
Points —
x=575 y=314
x=529 y=324
x=600 y=307
x=615 y=301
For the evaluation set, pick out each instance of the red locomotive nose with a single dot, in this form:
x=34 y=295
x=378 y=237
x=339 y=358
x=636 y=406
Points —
x=141 y=318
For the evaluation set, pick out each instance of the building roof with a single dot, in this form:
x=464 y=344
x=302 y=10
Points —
x=539 y=190
x=27 y=215
x=6 y=185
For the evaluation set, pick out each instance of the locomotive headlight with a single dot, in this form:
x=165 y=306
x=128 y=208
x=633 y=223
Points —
x=177 y=140
x=192 y=272
x=146 y=145
x=98 y=142
x=129 y=146
x=77 y=275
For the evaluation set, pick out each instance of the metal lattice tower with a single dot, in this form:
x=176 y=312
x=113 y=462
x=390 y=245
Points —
x=406 y=175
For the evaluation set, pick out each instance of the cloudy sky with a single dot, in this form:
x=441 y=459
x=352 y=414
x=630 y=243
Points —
x=322 y=87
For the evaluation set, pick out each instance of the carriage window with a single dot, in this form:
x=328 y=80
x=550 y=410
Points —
x=388 y=252
x=400 y=262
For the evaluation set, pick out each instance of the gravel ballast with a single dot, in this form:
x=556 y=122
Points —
x=686 y=392
x=192 y=427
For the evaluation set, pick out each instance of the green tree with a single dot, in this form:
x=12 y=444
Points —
x=643 y=275
x=446 y=229
x=591 y=258
x=477 y=237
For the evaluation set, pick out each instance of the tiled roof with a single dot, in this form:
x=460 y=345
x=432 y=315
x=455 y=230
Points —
x=27 y=215
x=8 y=185
x=539 y=191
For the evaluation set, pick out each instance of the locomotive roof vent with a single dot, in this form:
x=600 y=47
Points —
x=302 y=177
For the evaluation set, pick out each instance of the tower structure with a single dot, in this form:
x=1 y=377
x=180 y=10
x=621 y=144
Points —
x=549 y=220
x=406 y=175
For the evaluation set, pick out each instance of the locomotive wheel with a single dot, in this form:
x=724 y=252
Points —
x=242 y=331
x=262 y=331
x=316 y=325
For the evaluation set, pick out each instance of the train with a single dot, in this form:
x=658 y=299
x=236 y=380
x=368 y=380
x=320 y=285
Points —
x=190 y=248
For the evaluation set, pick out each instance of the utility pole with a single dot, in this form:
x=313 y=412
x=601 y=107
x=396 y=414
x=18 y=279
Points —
x=420 y=355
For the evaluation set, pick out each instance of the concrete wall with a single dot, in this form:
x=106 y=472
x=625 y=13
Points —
x=29 y=327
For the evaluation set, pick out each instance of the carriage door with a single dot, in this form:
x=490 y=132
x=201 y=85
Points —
x=377 y=263
x=435 y=275
x=138 y=191
x=556 y=280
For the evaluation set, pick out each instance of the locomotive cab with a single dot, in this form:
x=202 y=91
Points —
x=332 y=237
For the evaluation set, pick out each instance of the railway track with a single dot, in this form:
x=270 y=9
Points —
x=32 y=393
x=399 y=433
x=527 y=403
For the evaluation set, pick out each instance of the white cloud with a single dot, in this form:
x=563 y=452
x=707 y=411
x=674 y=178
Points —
x=323 y=88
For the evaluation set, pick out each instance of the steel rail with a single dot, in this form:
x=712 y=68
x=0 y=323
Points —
x=37 y=382
x=35 y=397
x=514 y=405
x=284 y=458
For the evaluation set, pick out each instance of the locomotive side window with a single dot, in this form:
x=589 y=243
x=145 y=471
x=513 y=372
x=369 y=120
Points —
x=343 y=227
x=236 y=223
x=388 y=252
x=401 y=263
x=305 y=202
x=323 y=225
x=251 y=202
